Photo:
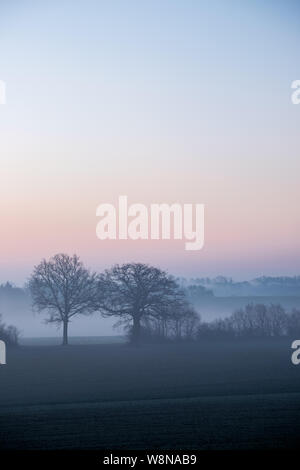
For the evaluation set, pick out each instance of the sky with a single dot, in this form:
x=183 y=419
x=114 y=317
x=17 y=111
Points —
x=163 y=101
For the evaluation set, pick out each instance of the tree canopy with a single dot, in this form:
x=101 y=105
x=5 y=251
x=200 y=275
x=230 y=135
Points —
x=63 y=288
x=136 y=291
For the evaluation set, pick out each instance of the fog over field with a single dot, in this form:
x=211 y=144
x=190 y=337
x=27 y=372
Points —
x=212 y=298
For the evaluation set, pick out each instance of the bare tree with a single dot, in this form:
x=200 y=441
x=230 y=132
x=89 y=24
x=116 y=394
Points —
x=134 y=292
x=9 y=334
x=63 y=288
x=278 y=320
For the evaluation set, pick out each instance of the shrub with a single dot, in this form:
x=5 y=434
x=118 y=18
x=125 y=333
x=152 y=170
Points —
x=9 y=334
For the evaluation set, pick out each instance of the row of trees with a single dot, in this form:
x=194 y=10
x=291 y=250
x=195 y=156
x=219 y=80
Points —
x=137 y=294
x=255 y=320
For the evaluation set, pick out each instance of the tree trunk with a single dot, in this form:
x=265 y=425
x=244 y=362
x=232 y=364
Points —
x=65 y=333
x=136 y=329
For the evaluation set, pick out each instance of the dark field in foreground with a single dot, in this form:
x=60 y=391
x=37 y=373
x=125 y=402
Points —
x=217 y=395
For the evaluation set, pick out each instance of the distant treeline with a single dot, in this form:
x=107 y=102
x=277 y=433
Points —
x=196 y=288
x=9 y=291
x=262 y=286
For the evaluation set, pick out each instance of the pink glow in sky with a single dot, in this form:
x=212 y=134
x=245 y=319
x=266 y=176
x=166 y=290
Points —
x=163 y=112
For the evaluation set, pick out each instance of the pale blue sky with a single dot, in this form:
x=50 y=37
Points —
x=107 y=97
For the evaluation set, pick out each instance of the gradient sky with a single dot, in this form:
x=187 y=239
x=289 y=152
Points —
x=164 y=101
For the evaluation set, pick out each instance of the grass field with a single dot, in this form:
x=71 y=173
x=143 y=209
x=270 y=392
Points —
x=74 y=340
x=229 y=395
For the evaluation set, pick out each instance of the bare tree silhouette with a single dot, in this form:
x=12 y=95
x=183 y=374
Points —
x=136 y=291
x=64 y=288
